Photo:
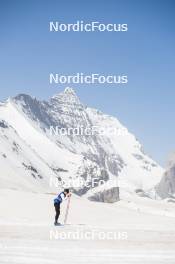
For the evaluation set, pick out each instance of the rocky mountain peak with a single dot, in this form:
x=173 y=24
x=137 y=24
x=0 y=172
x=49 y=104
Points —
x=68 y=96
x=69 y=91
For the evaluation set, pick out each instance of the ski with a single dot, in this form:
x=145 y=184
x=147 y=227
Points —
x=67 y=211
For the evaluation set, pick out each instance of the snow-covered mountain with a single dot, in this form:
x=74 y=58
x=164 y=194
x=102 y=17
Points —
x=33 y=158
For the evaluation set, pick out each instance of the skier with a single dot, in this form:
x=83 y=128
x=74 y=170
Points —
x=57 y=201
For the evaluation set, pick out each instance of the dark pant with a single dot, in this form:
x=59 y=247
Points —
x=57 y=210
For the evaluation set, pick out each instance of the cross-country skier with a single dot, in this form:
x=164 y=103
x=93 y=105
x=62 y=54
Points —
x=57 y=201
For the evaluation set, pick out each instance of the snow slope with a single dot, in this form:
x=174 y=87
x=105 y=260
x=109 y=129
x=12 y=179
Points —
x=27 y=234
x=21 y=167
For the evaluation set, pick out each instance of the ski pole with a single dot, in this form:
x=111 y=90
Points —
x=67 y=210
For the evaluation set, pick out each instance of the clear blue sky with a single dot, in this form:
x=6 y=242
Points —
x=146 y=53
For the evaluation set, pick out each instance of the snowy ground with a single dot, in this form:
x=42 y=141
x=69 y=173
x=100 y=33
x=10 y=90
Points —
x=143 y=231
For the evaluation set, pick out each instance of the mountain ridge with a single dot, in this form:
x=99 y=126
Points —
x=102 y=156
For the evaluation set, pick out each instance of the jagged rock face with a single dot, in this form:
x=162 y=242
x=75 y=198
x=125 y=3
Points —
x=3 y=124
x=104 y=156
x=107 y=196
x=166 y=187
x=65 y=111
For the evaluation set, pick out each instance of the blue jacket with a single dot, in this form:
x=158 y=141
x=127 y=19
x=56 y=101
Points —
x=59 y=198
